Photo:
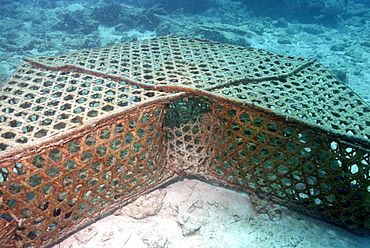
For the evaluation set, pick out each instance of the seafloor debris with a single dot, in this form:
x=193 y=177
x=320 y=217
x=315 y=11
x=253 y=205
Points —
x=86 y=234
x=262 y=206
x=144 y=206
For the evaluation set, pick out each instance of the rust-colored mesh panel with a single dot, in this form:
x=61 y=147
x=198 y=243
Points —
x=63 y=186
x=85 y=132
x=192 y=135
x=291 y=163
x=314 y=172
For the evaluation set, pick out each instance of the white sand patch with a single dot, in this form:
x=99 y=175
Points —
x=141 y=35
x=198 y=214
x=75 y=7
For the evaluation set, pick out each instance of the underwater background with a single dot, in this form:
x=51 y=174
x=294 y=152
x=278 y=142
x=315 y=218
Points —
x=336 y=32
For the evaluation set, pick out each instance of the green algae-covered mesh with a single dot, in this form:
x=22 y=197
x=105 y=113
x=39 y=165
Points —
x=84 y=133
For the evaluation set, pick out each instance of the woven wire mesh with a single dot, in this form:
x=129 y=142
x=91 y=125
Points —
x=85 y=132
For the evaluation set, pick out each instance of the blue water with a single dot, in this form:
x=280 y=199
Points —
x=40 y=17
x=334 y=31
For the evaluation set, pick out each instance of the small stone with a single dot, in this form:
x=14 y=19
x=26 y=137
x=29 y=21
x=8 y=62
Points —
x=262 y=206
x=337 y=48
x=257 y=28
x=357 y=21
x=274 y=213
x=284 y=41
x=144 y=206
x=75 y=7
x=313 y=29
x=86 y=234
x=154 y=240
x=190 y=229
x=107 y=236
x=341 y=75
x=365 y=43
x=281 y=23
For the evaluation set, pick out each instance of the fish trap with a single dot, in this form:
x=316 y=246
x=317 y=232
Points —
x=84 y=133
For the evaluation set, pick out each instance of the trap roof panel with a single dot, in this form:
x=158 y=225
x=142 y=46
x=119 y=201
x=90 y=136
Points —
x=51 y=96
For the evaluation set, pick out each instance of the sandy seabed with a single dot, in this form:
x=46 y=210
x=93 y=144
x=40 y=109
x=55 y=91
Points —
x=193 y=213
